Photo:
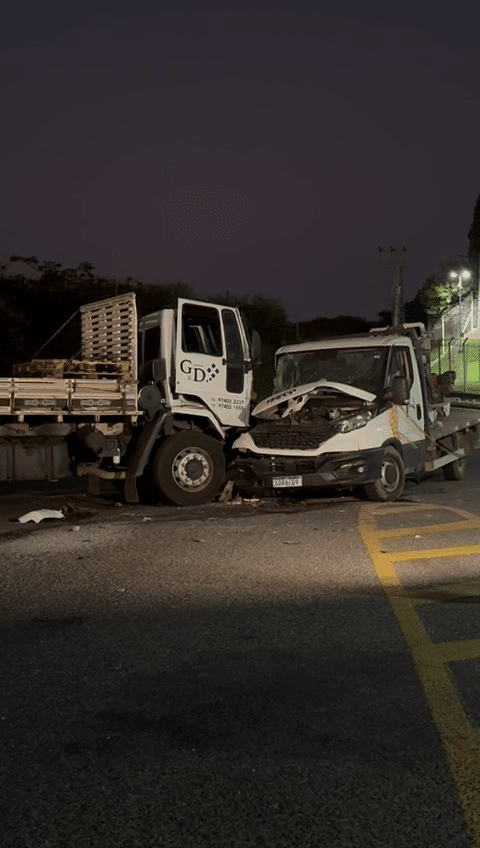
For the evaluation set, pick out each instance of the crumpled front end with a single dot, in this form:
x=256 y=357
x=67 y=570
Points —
x=300 y=439
x=341 y=470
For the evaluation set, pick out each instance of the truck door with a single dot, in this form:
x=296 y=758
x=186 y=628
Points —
x=211 y=357
x=410 y=418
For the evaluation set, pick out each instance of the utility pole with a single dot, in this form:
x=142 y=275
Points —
x=394 y=259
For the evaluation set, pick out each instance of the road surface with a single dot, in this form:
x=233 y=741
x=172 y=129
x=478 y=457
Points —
x=292 y=673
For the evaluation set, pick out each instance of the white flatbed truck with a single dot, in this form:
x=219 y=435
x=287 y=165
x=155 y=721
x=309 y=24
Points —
x=357 y=411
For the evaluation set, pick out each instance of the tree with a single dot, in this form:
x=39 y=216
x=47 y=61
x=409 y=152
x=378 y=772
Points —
x=439 y=292
x=341 y=325
x=39 y=296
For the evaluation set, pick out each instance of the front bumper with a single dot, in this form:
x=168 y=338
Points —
x=340 y=470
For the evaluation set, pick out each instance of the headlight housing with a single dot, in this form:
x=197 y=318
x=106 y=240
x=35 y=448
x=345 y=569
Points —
x=354 y=423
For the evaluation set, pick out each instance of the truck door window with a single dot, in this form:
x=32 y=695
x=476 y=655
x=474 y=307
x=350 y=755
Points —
x=400 y=365
x=151 y=344
x=201 y=330
x=235 y=357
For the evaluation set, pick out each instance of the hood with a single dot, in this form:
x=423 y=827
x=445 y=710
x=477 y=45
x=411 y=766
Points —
x=299 y=395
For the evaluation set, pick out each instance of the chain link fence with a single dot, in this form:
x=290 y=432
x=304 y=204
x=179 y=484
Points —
x=455 y=346
x=461 y=356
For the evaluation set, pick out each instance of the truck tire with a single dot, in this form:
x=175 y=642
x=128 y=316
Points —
x=391 y=482
x=188 y=469
x=455 y=470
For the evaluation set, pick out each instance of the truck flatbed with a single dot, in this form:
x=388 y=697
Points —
x=33 y=396
x=459 y=418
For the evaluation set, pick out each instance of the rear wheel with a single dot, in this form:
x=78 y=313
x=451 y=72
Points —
x=455 y=470
x=391 y=482
x=188 y=469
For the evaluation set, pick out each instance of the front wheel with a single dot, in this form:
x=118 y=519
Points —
x=391 y=482
x=188 y=469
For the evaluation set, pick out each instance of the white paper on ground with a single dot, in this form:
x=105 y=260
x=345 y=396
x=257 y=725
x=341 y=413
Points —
x=39 y=514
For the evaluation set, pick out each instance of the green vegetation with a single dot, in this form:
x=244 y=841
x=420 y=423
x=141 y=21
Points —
x=37 y=297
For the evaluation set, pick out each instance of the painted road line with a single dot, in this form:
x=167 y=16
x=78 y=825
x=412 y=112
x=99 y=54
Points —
x=451 y=527
x=431 y=553
x=399 y=507
x=460 y=741
x=446 y=592
x=449 y=591
x=468 y=649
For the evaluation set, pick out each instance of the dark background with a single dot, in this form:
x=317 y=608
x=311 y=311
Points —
x=260 y=149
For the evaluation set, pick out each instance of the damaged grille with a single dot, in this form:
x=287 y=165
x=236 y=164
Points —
x=302 y=466
x=290 y=438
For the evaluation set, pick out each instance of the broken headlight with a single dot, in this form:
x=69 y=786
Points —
x=354 y=423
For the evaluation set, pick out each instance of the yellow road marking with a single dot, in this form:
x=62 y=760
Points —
x=431 y=553
x=469 y=649
x=460 y=741
x=451 y=527
x=443 y=592
x=400 y=507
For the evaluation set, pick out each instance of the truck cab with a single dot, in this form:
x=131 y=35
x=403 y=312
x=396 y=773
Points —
x=201 y=358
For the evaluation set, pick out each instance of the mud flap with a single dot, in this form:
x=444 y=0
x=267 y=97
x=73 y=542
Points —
x=139 y=458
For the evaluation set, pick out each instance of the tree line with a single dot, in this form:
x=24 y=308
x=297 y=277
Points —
x=37 y=297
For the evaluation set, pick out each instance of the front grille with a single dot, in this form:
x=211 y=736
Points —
x=289 y=438
x=301 y=466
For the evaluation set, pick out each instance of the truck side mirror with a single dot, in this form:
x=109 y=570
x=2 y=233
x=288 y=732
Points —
x=400 y=391
x=255 y=348
x=153 y=371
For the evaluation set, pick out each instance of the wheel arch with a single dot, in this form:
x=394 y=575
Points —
x=176 y=423
x=394 y=443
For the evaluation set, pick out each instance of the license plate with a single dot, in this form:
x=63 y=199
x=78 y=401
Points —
x=282 y=482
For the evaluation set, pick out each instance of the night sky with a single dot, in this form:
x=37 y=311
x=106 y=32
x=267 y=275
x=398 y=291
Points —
x=266 y=150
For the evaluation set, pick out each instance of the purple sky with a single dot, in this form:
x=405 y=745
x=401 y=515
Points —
x=260 y=151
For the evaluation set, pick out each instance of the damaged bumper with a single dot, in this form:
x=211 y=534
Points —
x=341 y=470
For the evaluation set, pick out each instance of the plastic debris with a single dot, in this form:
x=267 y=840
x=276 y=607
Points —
x=227 y=492
x=39 y=514
x=75 y=529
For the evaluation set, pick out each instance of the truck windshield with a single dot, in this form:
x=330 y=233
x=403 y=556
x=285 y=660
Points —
x=363 y=368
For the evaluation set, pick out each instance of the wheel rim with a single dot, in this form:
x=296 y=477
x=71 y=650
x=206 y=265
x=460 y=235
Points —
x=192 y=469
x=390 y=475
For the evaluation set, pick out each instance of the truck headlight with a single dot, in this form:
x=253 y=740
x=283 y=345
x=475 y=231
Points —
x=355 y=422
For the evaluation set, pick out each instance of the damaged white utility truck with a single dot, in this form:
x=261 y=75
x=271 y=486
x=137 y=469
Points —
x=358 y=411
x=154 y=404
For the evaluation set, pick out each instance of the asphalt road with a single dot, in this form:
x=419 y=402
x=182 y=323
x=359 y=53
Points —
x=232 y=675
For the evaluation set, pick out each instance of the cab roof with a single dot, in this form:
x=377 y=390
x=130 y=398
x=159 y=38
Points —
x=365 y=340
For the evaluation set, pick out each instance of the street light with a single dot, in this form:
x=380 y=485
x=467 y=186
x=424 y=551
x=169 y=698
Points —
x=464 y=274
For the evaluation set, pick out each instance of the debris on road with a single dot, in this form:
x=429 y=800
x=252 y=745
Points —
x=40 y=514
x=226 y=494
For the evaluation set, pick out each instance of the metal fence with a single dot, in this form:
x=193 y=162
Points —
x=453 y=349
x=461 y=356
